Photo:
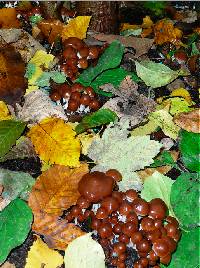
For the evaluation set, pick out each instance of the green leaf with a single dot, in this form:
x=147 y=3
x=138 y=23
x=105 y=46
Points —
x=10 y=131
x=35 y=19
x=158 y=186
x=195 y=50
x=113 y=76
x=187 y=253
x=111 y=58
x=189 y=147
x=164 y=159
x=155 y=6
x=15 y=224
x=58 y=77
x=84 y=252
x=101 y=117
x=15 y=184
x=185 y=200
x=130 y=32
x=156 y=74
x=30 y=70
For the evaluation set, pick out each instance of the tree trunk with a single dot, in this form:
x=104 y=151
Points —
x=104 y=15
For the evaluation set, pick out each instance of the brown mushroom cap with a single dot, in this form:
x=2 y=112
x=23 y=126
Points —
x=95 y=186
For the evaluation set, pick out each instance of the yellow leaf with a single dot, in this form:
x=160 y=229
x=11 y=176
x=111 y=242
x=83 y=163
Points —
x=127 y=26
x=40 y=255
x=55 y=142
x=8 y=18
x=76 y=27
x=147 y=22
x=182 y=92
x=86 y=140
x=42 y=58
x=38 y=72
x=4 y=112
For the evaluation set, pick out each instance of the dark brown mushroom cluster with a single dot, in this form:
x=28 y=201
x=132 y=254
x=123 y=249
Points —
x=123 y=220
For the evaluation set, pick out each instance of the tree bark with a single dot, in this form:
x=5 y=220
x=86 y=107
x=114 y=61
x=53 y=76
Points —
x=104 y=15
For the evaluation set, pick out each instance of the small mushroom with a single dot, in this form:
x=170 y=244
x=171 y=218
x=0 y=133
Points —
x=95 y=186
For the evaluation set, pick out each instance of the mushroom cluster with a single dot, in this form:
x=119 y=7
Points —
x=75 y=98
x=76 y=55
x=123 y=220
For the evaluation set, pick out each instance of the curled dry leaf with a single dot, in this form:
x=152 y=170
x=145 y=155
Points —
x=129 y=103
x=55 y=142
x=57 y=232
x=141 y=45
x=189 y=121
x=12 y=70
x=22 y=41
x=56 y=189
x=38 y=106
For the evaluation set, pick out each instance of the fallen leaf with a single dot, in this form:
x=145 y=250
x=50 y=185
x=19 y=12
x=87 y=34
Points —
x=55 y=142
x=12 y=70
x=4 y=112
x=129 y=104
x=57 y=232
x=143 y=174
x=165 y=31
x=187 y=252
x=54 y=196
x=8 y=265
x=76 y=27
x=126 y=154
x=182 y=92
x=15 y=184
x=10 y=131
x=141 y=45
x=86 y=140
x=38 y=106
x=177 y=105
x=164 y=120
x=146 y=129
x=185 y=203
x=22 y=41
x=98 y=118
x=84 y=252
x=158 y=186
x=51 y=29
x=189 y=148
x=8 y=18
x=40 y=255
x=15 y=224
x=22 y=149
x=188 y=121
x=156 y=74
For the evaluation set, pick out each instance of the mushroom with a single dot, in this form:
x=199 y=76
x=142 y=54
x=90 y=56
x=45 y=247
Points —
x=95 y=186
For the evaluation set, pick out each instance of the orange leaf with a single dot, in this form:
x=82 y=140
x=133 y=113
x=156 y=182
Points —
x=165 y=31
x=56 y=231
x=8 y=18
x=189 y=121
x=12 y=70
x=51 y=29
x=56 y=189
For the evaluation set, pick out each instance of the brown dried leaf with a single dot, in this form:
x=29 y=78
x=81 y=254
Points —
x=7 y=265
x=189 y=121
x=129 y=103
x=51 y=29
x=8 y=18
x=141 y=45
x=56 y=231
x=12 y=70
x=56 y=189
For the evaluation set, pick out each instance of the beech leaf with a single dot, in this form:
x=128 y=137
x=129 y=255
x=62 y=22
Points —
x=84 y=252
x=189 y=147
x=189 y=121
x=15 y=184
x=158 y=186
x=39 y=255
x=115 y=150
x=10 y=131
x=111 y=58
x=98 y=118
x=15 y=224
x=55 y=142
x=185 y=200
x=156 y=74
x=55 y=195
